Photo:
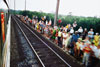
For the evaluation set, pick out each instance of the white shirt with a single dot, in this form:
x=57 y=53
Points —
x=94 y=48
x=59 y=34
x=65 y=29
x=90 y=34
x=74 y=24
x=81 y=46
x=80 y=30
x=97 y=53
x=46 y=22
x=65 y=35
x=55 y=27
x=50 y=22
x=72 y=31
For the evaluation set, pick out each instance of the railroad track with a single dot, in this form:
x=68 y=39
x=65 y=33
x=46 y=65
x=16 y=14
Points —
x=47 y=56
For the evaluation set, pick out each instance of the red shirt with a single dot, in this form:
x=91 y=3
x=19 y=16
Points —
x=56 y=34
x=87 y=49
x=31 y=21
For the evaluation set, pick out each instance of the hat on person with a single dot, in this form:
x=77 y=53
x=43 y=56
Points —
x=80 y=39
x=97 y=33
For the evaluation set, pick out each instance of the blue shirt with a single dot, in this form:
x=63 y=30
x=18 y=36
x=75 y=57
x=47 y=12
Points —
x=75 y=37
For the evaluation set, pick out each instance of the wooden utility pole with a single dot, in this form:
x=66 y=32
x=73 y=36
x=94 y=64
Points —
x=14 y=6
x=56 y=14
x=25 y=5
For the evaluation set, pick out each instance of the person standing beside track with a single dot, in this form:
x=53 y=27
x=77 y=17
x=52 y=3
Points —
x=53 y=34
x=91 y=34
x=46 y=31
x=77 y=47
x=84 y=34
x=64 y=36
x=80 y=31
x=37 y=27
x=68 y=42
x=95 y=57
x=33 y=23
x=56 y=37
x=87 y=40
x=30 y=22
x=87 y=51
x=74 y=40
x=75 y=36
x=71 y=31
x=59 y=38
x=81 y=49
x=42 y=27
x=40 y=22
x=96 y=39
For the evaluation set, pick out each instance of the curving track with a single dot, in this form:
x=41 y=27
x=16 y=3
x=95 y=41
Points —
x=47 y=54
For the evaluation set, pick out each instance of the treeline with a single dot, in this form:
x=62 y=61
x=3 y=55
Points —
x=85 y=22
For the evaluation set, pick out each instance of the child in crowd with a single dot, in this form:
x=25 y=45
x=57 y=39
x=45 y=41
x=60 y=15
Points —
x=77 y=47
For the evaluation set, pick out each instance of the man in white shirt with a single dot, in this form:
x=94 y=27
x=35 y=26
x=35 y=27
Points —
x=71 y=30
x=80 y=30
x=64 y=34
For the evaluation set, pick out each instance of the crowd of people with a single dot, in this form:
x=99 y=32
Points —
x=81 y=43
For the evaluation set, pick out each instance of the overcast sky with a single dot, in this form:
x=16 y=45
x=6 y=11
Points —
x=77 y=7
